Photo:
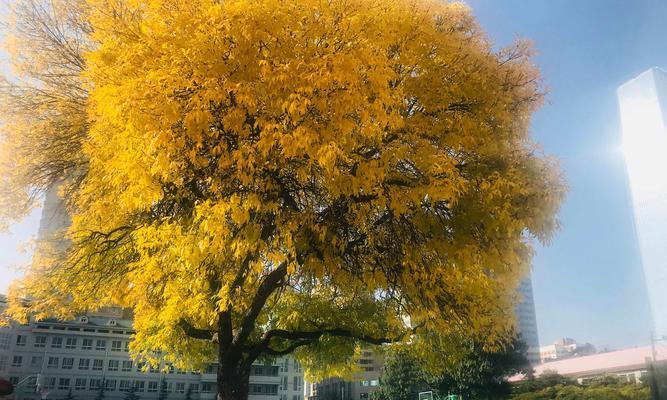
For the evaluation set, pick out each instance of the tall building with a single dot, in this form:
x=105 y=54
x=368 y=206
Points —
x=643 y=110
x=527 y=321
x=91 y=353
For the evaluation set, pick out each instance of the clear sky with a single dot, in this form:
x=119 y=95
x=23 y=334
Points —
x=588 y=284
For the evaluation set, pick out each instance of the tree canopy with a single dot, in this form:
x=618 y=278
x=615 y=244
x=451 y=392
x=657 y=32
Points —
x=265 y=177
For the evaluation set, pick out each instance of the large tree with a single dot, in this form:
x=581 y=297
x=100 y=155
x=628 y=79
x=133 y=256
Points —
x=256 y=178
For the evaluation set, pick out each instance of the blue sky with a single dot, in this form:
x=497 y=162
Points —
x=588 y=284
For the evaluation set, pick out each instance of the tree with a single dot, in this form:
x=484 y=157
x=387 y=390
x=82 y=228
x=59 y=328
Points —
x=100 y=393
x=482 y=374
x=554 y=386
x=475 y=373
x=254 y=179
x=402 y=377
x=69 y=396
x=163 y=393
x=131 y=394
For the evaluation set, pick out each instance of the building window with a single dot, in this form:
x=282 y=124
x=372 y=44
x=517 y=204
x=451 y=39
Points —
x=13 y=380
x=3 y=362
x=63 y=384
x=80 y=384
x=36 y=361
x=194 y=388
x=4 y=340
x=152 y=386
x=17 y=361
x=180 y=387
x=127 y=347
x=154 y=369
x=95 y=384
x=84 y=363
x=21 y=340
x=56 y=342
x=116 y=345
x=98 y=365
x=49 y=382
x=40 y=341
x=70 y=343
x=140 y=366
x=263 y=389
x=53 y=362
x=374 y=382
x=110 y=384
x=113 y=365
x=139 y=386
x=68 y=362
x=124 y=385
x=126 y=366
x=207 y=387
x=87 y=344
x=101 y=345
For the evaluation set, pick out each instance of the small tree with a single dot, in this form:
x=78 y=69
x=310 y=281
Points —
x=162 y=393
x=69 y=396
x=100 y=393
x=402 y=377
x=131 y=394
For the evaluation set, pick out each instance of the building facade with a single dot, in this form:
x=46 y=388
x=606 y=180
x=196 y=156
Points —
x=527 y=320
x=565 y=348
x=50 y=358
x=643 y=110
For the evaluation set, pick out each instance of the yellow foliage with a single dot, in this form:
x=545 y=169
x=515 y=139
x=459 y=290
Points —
x=377 y=151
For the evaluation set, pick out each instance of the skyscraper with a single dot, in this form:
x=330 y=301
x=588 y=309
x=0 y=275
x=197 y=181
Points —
x=527 y=321
x=643 y=109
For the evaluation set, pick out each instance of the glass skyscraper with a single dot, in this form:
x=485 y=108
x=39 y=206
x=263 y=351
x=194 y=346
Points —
x=643 y=109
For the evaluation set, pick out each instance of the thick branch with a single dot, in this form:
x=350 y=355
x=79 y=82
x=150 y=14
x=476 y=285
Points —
x=196 y=333
x=289 y=349
x=270 y=283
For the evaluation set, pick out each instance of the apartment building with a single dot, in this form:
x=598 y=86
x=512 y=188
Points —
x=50 y=358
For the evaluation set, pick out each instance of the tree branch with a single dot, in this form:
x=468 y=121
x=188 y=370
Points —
x=196 y=333
x=289 y=349
x=270 y=283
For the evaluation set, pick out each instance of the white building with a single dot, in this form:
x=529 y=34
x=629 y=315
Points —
x=365 y=382
x=92 y=353
x=643 y=109
x=565 y=348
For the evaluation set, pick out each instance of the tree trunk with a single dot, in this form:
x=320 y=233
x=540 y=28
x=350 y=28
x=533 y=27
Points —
x=233 y=382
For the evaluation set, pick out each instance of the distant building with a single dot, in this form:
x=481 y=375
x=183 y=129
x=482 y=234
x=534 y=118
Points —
x=565 y=348
x=359 y=388
x=643 y=109
x=527 y=320
x=91 y=353
x=630 y=365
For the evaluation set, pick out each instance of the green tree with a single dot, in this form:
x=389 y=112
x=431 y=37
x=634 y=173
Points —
x=131 y=394
x=554 y=386
x=69 y=396
x=100 y=393
x=402 y=377
x=162 y=393
x=482 y=374
x=475 y=373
